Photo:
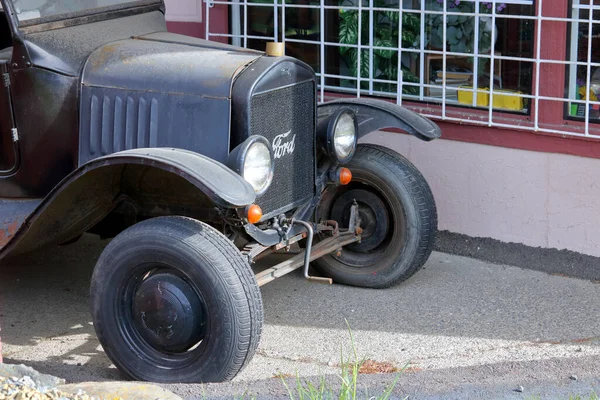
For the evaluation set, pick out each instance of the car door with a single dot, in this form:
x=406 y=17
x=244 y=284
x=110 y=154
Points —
x=8 y=135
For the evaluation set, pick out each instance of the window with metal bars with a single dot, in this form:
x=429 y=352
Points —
x=521 y=64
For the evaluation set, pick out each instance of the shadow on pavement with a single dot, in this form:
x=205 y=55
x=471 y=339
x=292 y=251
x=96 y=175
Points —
x=46 y=323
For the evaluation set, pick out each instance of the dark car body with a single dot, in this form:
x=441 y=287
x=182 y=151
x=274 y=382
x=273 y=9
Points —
x=79 y=95
x=197 y=158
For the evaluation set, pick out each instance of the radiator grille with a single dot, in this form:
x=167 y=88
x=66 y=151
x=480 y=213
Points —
x=273 y=115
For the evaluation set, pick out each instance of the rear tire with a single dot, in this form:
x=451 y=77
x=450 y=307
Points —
x=174 y=301
x=398 y=215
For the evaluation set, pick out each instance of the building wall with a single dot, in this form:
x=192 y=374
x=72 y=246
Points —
x=514 y=186
x=185 y=17
x=539 y=199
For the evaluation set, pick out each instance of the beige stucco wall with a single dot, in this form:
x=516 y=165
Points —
x=538 y=199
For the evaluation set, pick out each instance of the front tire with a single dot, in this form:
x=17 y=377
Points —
x=398 y=215
x=173 y=300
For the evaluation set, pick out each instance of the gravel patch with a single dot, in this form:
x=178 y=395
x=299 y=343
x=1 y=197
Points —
x=26 y=388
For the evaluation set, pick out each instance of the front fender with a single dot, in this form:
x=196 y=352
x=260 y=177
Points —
x=375 y=114
x=91 y=192
x=223 y=186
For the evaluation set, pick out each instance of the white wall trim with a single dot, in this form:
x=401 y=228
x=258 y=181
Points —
x=184 y=10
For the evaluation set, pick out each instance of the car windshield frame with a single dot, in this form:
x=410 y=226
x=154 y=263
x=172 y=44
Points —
x=95 y=13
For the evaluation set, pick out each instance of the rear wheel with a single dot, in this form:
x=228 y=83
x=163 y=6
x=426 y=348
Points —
x=398 y=216
x=174 y=301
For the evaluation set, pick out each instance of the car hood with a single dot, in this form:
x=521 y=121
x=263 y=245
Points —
x=168 y=63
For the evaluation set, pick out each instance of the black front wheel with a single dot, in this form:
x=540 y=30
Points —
x=173 y=300
x=397 y=214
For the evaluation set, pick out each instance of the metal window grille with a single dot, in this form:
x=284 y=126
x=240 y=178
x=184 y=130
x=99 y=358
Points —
x=444 y=107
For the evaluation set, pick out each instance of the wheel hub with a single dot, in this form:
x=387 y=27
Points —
x=373 y=214
x=168 y=313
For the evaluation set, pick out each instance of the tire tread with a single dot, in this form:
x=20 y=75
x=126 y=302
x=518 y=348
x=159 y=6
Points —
x=421 y=196
x=232 y=268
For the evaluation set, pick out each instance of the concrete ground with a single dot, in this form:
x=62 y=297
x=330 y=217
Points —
x=465 y=328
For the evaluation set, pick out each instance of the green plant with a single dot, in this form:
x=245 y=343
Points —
x=460 y=37
x=592 y=396
x=386 y=35
x=460 y=29
x=348 y=390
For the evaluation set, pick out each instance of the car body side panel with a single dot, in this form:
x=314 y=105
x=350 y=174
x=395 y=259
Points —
x=113 y=120
x=145 y=92
x=45 y=109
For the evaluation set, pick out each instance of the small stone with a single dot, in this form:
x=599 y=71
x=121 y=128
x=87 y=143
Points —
x=573 y=377
x=520 y=389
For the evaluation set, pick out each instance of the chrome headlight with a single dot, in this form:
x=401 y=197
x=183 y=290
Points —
x=253 y=160
x=338 y=135
x=344 y=136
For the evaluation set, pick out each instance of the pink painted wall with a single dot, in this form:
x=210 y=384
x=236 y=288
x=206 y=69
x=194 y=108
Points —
x=538 y=199
x=184 y=10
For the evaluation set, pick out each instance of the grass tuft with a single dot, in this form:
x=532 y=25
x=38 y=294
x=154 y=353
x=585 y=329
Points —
x=351 y=368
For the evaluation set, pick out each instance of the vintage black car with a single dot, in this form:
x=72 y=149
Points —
x=197 y=158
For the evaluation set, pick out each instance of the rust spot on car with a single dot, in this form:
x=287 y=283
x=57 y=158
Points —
x=103 y=55
x=8 y=231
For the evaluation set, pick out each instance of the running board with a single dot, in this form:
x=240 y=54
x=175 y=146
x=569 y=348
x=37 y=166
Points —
x=323 y=248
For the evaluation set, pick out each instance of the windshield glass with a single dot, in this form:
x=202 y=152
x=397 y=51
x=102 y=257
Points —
x=36 y=9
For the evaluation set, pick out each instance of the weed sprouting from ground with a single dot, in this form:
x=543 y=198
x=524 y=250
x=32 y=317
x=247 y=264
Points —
x=592 y=396
x=348 y=380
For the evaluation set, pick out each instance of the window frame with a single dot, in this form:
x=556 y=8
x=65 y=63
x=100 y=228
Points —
x=550 y=62
x=567 y=115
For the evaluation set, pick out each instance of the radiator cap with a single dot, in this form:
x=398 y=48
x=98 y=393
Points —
x=275 y=49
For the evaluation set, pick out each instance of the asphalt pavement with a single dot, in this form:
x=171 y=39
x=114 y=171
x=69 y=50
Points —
x=463 y=329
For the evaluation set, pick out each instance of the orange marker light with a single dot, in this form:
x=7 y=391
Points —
x=253 y=213
x=345 y=176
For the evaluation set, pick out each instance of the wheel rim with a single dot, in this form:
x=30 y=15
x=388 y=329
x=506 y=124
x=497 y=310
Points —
x=168 y=313
x=163 y=316
x=383 y=225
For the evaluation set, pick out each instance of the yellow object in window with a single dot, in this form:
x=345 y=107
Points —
x=508 y=99
x=466 y=97
x=592 y=95
x=504 y=99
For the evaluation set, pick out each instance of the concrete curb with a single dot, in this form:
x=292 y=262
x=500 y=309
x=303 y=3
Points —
x=26 y=381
